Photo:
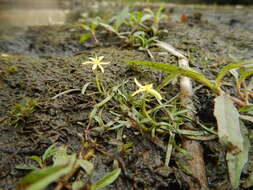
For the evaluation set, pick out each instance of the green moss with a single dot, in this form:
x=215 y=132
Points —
x=22 y=111
x=11 y=70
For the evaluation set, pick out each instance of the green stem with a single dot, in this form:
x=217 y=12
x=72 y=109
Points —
x=169 y=149
x=146 y=112
x=98 y=84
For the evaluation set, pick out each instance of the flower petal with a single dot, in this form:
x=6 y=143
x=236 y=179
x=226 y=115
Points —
x=87 y=62
x=155 y=93
x=101 y=68
x=92 y=59
x=137 y=83
x=94 y=67
x=149 y=86
x=138 y=91
x=100 y=58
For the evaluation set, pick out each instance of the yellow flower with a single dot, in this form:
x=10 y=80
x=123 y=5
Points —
x=146 y=88
x=97 y=62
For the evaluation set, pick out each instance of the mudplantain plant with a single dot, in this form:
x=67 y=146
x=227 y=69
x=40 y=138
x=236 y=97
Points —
x=232 y=133
x=64 y=166
x=91 y=32
x=142 y=41
x=156 y=16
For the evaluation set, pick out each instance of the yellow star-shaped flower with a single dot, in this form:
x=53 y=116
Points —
x=146 y=88
x=97 y=62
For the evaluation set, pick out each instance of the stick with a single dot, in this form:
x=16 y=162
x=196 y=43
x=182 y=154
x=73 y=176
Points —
x=196 y=163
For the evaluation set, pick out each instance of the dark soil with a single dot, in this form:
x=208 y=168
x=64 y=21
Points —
x=38 y=62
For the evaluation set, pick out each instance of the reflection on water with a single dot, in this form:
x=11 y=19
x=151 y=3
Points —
x=31 y=12
x=30 y=17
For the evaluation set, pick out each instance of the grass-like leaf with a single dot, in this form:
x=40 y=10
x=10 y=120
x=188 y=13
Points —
x=247 y=118
x=77 y=185
x=40 y=179
x=246 y=109
x=167 y=80
x=108 y=27
x=85 y=37
x=227 y=68
x=243 y=76
x=49 y=152
x=106 y=180
x=87 y=166
x=37 y=159
x=120 y=19
x=26 y=167
x=172 y=69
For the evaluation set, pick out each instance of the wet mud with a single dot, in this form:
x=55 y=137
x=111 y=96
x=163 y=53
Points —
x=39 y=62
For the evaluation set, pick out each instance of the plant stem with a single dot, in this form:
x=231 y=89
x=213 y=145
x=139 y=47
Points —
x=145 y=112
x=98 y=83
x=169 y=149
x=95 y=37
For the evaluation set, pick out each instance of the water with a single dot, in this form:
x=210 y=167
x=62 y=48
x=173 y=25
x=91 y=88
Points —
x=31 y=12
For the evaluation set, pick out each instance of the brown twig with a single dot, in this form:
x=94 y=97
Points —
x=196 y=163
x=63 y=181
x=238 y=101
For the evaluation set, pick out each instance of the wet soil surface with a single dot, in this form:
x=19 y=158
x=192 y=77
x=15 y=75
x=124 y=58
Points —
x=39 y=62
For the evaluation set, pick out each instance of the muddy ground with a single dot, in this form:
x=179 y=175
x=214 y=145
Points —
x=38 y=62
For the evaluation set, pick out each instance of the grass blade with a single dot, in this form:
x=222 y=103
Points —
x=106 y=180
x=172 y=69
x=243 y=76
x=40 y=179
x=226 y=69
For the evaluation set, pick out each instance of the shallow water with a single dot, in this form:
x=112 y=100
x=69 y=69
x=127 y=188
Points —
x=31 y=12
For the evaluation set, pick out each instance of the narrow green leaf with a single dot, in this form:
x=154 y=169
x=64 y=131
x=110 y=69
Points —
x=84 y=26
x=247 y=118
x=169 y=149
x=236 y=162
x=243 y=76
x=106 y=180
x=85 y=87
x=235 y=74
x=66 y=92
x=37 y=159
x=167 y=80
x=120 y=19
x=225 y=70
x=108 y=98
x=227 y=117
x=108 y=27
x=145 y=17
x=248 y=63
x=26 y=167
x=172 y=69
x=87 y=166
x=40 y=179
x=62 y=158
x=246 y=108
x=159 y=11
x=51 y=150
x=85 y=37
x=200 y=78
x=77 y=185
x=158 y=66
